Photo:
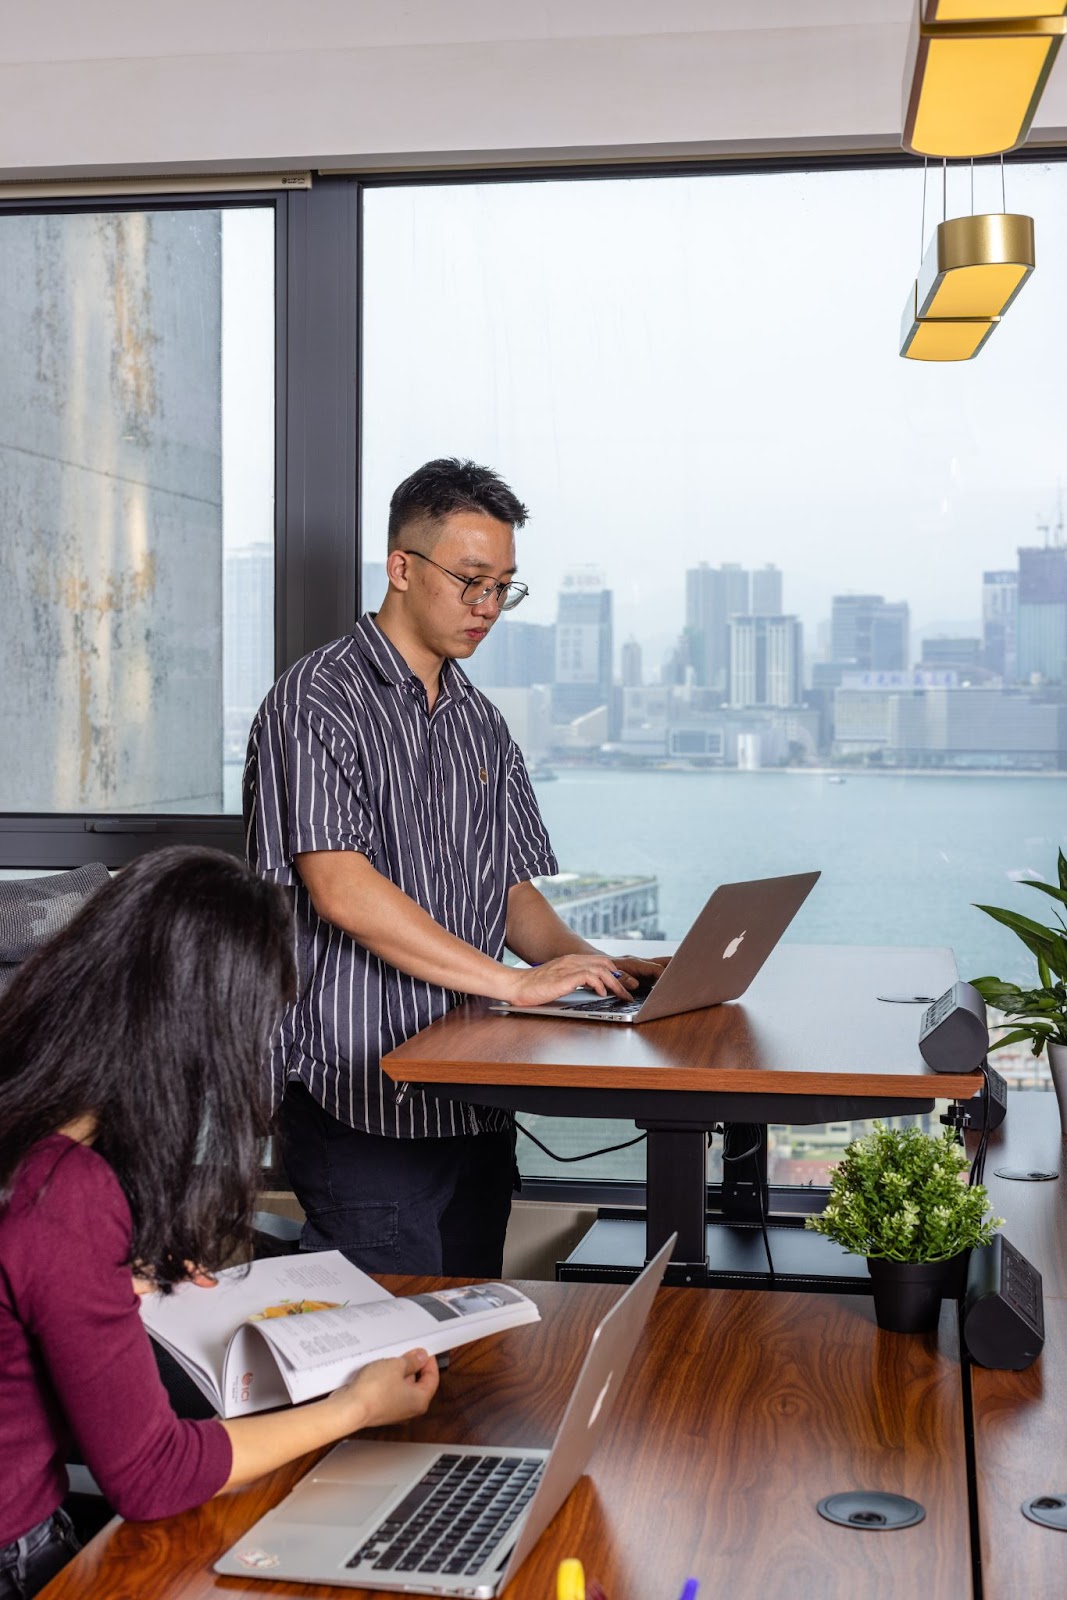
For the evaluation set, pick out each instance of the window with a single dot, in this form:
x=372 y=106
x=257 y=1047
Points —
x=789 y=600
x=137 y=500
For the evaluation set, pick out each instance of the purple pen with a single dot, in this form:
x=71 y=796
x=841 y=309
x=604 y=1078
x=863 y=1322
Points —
x=690 y=1590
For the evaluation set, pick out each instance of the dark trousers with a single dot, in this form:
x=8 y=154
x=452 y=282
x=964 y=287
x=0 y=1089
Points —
x=437 y=1206
x=27 y=1564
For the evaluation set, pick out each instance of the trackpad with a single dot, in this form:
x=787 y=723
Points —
x=337 y=1505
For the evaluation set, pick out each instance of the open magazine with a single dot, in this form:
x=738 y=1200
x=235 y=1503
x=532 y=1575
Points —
x=291 y=1328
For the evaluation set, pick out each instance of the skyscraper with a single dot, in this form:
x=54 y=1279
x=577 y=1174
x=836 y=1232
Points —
x=766 y=661
x=584 y=645
x=373 y=583
x=868 y=634
x=516 y=655
x=712 y=596
x=248 y=639
x=1000 y=604
x=632 y=675
x=766 y=591
x=1041 y=639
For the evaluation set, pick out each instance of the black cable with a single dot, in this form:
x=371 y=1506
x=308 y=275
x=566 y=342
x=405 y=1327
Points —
x=745 y=1155
x=977 y=1173
x=763 y=1230
x=588 y=1154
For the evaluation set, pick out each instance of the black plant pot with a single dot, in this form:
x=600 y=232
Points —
x=908 y=1294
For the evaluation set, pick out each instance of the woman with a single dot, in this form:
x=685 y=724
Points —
x=131 y=1052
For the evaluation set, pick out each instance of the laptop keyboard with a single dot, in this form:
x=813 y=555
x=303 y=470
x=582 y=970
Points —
x=608 y=1003
x=454 y=1516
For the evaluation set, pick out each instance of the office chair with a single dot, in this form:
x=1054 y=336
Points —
x=33 y=910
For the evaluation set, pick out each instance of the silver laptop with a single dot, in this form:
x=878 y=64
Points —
x=440 y=1519
x=716 y=961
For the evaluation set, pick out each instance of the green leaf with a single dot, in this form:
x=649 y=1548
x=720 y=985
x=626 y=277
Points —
x=1043 y=971
x=995 y=992
x=1023 y=926
x=1040 y=941
x=1061 y=868
x=1035 y=1036
x=1045 y=888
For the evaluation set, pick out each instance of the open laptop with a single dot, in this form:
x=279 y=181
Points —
x=716 y=961
x=440 y=1519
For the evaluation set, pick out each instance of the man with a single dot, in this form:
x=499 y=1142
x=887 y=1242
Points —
x=387 y=793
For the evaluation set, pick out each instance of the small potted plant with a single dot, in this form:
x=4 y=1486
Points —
x=899 y=1198
x=1038 y=1014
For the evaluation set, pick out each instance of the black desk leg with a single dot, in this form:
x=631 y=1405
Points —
x=744 y=1172
x=676 y=1191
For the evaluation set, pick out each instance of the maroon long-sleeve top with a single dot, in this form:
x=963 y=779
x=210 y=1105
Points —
x=76 y=1366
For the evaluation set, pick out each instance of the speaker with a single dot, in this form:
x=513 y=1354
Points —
x=1003 y=1313
x=953 y=1036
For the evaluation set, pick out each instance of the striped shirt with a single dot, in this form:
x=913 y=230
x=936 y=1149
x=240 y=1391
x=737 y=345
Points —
x=345 y=755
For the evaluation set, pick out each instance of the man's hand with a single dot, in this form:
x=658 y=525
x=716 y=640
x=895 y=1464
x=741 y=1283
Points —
x=646 y=970
x=538 y=986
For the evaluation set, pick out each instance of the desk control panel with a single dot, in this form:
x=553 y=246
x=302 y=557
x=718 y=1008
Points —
x=1003 y=1316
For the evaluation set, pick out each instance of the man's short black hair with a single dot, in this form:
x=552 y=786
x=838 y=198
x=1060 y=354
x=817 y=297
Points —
x=440 y=487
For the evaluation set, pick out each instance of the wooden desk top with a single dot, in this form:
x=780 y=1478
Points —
x=1028 y=1140
x=742 y=1410
x=1020 y=1448
x=810 y=1024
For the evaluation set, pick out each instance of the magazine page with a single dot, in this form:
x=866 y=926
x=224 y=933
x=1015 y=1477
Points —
x=318 y=1352
x=196 y=1325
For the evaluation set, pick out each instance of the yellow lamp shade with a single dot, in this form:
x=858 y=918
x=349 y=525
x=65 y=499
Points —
x=975 y=266
x=941 y=338
x=976 y=72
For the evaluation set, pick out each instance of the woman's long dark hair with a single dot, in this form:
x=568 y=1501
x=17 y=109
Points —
x=151 y=1013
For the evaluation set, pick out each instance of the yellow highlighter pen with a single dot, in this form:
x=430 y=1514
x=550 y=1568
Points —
x=570 y=1581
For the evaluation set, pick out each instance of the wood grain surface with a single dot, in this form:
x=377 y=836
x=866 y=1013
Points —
x=1021 y=1451
x=1028 y=1140
x=741 y=1411
x=812 y=1023
x=1019 y=1417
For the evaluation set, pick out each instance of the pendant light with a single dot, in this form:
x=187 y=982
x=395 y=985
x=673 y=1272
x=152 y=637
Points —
x=975 y=73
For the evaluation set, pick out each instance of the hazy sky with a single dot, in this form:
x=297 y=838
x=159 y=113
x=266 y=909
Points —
x=686 y=369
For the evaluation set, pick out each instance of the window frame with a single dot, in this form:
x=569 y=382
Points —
x=318 y=473
x=316 y=488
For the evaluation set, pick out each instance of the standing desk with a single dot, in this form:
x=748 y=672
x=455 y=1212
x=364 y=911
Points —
x=809 y=1042
x=739 y=1413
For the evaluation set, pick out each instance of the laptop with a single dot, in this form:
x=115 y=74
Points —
x=716 y=961
x=439 y=1519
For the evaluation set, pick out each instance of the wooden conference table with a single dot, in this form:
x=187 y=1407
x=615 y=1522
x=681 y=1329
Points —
x=811 y=1041
x=740 y=1412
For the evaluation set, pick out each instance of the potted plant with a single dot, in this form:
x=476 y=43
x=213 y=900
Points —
x=899 y=1198
x=1038 y=1014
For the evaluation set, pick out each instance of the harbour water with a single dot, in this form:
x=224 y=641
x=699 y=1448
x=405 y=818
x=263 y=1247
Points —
x=903 y=858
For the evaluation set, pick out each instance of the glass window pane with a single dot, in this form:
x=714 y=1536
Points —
x=794 y=602
x=136 y=501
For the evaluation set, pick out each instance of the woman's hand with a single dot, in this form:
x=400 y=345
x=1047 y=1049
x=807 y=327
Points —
x=384 y=1392
x=197 y=1275
x=393 y=1390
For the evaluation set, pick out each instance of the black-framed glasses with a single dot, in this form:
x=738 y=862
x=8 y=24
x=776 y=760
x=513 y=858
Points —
x=478 y=590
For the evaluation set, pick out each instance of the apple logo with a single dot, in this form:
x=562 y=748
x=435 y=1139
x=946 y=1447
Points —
x=601 y=1397
x=734 y=945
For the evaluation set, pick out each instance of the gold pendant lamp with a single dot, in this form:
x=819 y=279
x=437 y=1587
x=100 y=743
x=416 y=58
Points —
x=970 y=274
x=975 y=73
